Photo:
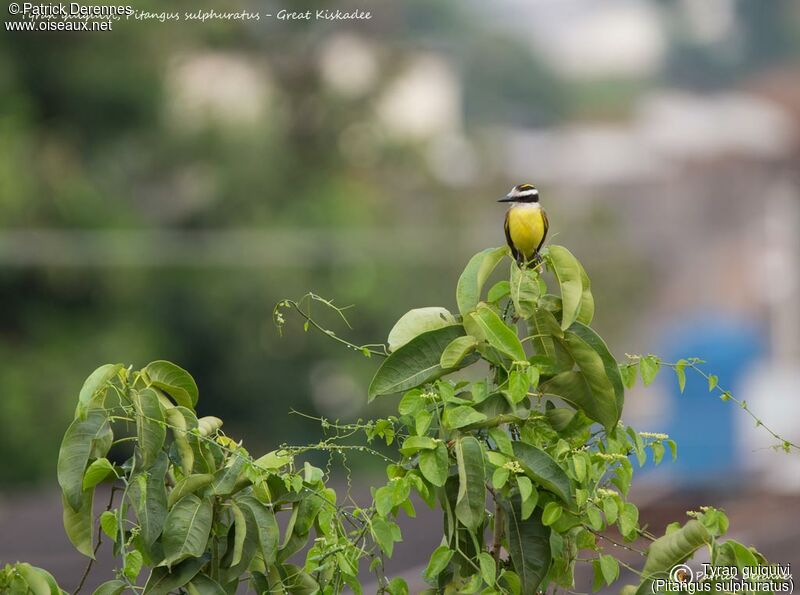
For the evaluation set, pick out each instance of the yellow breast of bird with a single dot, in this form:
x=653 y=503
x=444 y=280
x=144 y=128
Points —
x=526 y=227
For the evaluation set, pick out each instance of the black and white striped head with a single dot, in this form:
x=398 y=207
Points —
x=522 y=193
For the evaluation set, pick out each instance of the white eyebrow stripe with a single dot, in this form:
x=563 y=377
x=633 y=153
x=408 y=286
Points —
x=532 y=192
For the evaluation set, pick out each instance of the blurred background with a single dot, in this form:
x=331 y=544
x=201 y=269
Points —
x=164 y=184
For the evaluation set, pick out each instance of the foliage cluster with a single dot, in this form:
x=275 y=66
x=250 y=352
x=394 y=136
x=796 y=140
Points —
x=509 y=424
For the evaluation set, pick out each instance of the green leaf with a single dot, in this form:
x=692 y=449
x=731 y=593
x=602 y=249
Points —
x=457 y=350
x=415 y=322
x=658 y=451
x=114 y=587
x=528 y=543
x=680 y=373
x=415 y=363
x=133 y=565
x=239 y=533
x=461 y=416
x=500 y=477
x=268 y=531
x=225 y=478
x=712 y=382
x=573 y=388
x=182 y=420
x=173 y=380
x=540 y=466
x=95 y=387
x=148 y=497
x=524 y=290
x=414 y=444
x=74 y=454
x=39 y=581
x=488 y=568
x=471 y=500
x=439 y=560
x=108 y=522
x=189 y=485
x=594 y=518
x=518 y=385
x=551 y=513
x=628 y=519
x=411 y=402
x=471 y=281
x=397 y=586
x=79 y=523
x=502 y=440
x=568 y=273
x=610 y=509
x=498 y=291
x=648 y=366
x=204 y=585
x=384 y=532
x=150 y=429
x=97 y=472
x=186 y=529
x=669 y=550
x=590 y=338
x=628 y=373
x=586 y=310
x=498 y=334
x=162 y=581
x=609 y=568
x=434 y=464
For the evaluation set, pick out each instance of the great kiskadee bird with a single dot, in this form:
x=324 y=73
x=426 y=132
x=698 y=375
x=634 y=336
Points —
x=526 y=224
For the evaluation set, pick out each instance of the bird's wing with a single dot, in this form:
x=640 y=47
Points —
x=514 y=251
x=546 y=227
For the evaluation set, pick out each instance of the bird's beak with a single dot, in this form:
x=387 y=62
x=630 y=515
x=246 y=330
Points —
x=506 y=199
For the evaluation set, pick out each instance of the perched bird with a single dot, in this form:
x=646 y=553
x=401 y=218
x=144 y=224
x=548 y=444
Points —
x=526 y=224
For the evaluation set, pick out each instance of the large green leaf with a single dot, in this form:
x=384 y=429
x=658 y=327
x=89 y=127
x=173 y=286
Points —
x=528 y=543
x=113 y=587
x=189 y=485
x=94 y=388
x=225 y=479
x=524 y=290
x=586 y=310
x=150 y=429
x=186 y=529
x=498 y=334
x=457 y=350
x=669 y=550
x=182 y=420
x=173 y=380
x=79 y=523
x=147 y=494
x=204 y=585
x=162 y=580
x=415 y=322
x=471 y=502
x=74 y=454
x=545 y=334
x=596 y=377
x=268 y=531
x=434 y=464
x=541 y=467
x=97 y=472
x=573 y=388
x=415 y=363
x=40 y=582
x=243 y=549
x=611 y=368
x=471 y=281
x=568 y=273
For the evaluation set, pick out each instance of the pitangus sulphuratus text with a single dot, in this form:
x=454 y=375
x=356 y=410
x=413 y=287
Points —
x=526 y=224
